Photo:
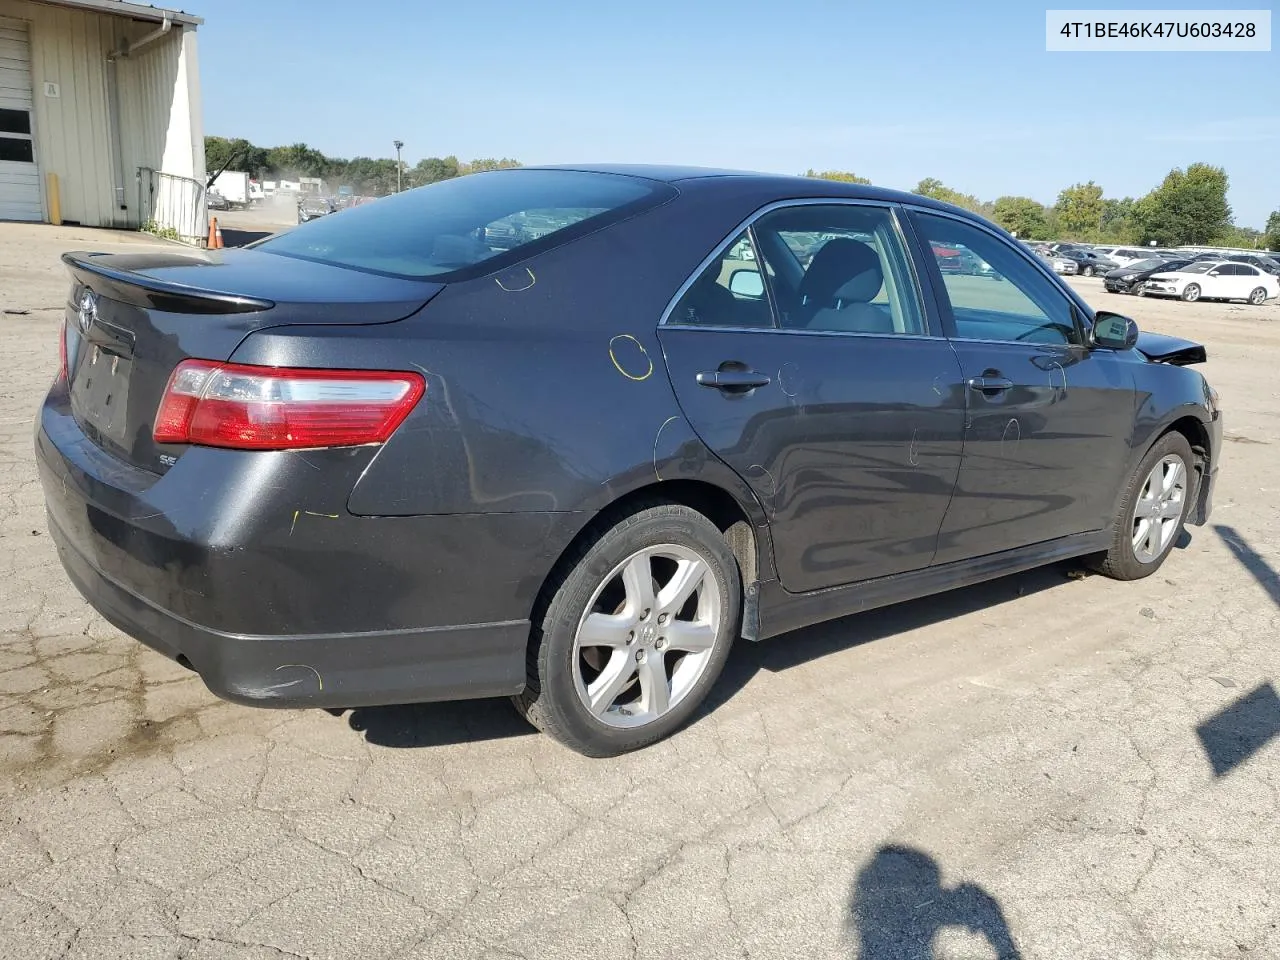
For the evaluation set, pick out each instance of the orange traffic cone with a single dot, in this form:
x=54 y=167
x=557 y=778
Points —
x=215 y=235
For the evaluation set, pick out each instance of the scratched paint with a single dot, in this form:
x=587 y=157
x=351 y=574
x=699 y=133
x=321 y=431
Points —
x=308 y=513
x=789 y=379
x=665 y=423
x=1012 y=436
x=630 y=358
x=298 y=666
x=760 y=477
x=517 y=282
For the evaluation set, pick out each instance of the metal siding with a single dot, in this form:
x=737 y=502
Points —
x=73 y=133
x=147 y=86
x=19 y=181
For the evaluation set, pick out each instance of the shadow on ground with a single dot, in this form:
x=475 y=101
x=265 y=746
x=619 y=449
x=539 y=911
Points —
x=439 y=724
x=899 y=906
x=1236 y=733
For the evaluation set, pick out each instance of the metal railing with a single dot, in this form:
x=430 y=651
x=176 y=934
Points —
x=168 y=202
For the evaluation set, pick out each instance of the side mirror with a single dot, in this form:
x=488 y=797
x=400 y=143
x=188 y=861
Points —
x=1111 y=331
x=1214 y=273
x=746 y=283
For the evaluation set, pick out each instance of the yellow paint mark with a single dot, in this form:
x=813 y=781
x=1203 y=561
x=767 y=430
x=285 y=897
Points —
x=309 y=513
x=303 y=666
x=55 y=199
x=532 y=281
x=643 y=352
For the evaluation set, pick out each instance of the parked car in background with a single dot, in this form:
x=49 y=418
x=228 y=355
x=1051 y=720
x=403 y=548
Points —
x=505 y=234
x=960 y=260
x=1215 y=280
x=1061 y=264
x=369 y=462
x=1123 y=256
x=1131 y=278
x=310 y=208
x=1265 y=264
x=216 y=201
x=1089 y=263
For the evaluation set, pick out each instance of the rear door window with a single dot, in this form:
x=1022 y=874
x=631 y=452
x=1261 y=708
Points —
x=471 y=225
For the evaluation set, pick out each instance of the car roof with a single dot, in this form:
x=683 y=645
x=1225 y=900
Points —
x=731 y=181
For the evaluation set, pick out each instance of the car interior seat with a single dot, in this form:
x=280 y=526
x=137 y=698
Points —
x=837 y=289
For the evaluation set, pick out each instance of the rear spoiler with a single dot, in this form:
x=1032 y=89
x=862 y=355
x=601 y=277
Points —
x=1159 y=348
x=141 y=290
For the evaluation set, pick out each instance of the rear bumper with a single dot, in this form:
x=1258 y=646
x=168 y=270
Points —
x=249 y=568
x=316 y=670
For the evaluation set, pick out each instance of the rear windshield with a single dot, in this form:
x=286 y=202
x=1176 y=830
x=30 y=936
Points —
x=470 y=225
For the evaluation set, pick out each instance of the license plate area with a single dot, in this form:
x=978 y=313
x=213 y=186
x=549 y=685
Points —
x=100 y=393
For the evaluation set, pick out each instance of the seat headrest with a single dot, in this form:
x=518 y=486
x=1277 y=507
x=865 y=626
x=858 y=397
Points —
x=844 y=269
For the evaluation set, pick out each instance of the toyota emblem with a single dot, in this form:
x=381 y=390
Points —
x=87 y=310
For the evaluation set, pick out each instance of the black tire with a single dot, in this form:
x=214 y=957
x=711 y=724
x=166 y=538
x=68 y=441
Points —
x=1258 y=297
x=1191 y=292
x=1120 y=562
x=1087 y=271
x=551 y=701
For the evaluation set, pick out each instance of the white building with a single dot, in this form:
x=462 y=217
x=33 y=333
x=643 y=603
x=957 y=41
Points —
x=100 y=121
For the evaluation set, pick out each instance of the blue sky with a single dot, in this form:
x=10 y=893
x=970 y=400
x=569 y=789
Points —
x=893 y=91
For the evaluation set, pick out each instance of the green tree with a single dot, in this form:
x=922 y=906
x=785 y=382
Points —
x=1021 y=215
x=936 y=189
x=1234 y=236
x=479 y=166
x=1080 y=209
x=1189 y=207
x=843 y=176
x=1271 y=238
x=298 y=160
x=221 y=153
x=433 y=169
x=1118 y=224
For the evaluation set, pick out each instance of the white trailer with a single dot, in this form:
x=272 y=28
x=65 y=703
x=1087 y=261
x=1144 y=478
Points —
x=234 y=186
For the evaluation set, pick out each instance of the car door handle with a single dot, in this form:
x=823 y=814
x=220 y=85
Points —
x=990 y=383
x=733 y=379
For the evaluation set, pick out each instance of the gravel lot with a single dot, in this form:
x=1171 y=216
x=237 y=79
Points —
x=1064 y=767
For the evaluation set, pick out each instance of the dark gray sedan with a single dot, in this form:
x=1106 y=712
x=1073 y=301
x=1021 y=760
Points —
x=376 y=459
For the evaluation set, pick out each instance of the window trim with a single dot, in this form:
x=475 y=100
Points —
x=1079 y=309
x=929 y=309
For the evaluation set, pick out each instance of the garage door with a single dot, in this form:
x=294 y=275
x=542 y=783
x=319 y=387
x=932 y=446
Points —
x=19 y=178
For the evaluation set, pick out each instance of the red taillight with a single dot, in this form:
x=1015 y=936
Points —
x=275 y=408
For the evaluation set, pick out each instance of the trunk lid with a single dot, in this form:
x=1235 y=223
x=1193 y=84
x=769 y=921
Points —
x=132 y=318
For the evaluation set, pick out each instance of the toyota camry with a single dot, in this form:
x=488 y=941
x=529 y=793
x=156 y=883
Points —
x=380 y=458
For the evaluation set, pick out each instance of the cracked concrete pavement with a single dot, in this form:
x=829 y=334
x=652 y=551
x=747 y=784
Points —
x=1016 y=764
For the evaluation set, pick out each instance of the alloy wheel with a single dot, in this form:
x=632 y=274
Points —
x=1258 y=297
x=1191 y=293
x=647 y=635
x=1159 y=509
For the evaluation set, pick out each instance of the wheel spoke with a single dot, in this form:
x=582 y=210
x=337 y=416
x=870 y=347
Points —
x=1172 y=478
x=690 y=637
x=1142 y=534
x=655 y=695
x=686 y=579
x=604 y=630
x=1171 y=509
x=1159 y=534
x=637 y=580
x=611 y=682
